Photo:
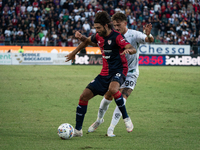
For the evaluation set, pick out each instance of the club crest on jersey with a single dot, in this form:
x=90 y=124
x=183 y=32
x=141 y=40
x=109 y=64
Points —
x=109 y=42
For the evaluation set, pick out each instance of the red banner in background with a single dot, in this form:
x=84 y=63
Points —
x=47 y=49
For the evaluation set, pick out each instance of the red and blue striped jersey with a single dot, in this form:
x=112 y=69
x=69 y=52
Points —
x=111 y=48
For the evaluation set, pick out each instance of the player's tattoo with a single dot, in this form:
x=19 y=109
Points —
x=126 y=92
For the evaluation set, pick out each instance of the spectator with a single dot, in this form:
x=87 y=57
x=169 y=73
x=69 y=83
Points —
x=35 y=3
x=63 y=38
x=44 y=31
x=69 y=40
x=20 y=34
x=37 y=39
x=31 y=39
x=2 y=39
x=41 y=34
x=32 y=15
x=77 y=17
x=157 y=7
x=32 y=24
x=7 y=34
x=75 y=42
x=29 y=8
x=86 y=27
x=23 y=8
x=51 y=41
x=127 y=11
x=157 y=40
x=66 y=17
x=13 y=32
x=45 y=40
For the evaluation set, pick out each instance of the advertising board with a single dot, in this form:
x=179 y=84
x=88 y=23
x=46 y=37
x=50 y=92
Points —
x=5 y=59
x=38 y=59
x=183 y=60
x=147 y=60
x=151 y=49
x=144 y=49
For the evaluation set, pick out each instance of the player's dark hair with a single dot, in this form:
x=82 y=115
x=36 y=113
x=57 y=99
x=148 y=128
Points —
x=119 y=17
x=103 y=18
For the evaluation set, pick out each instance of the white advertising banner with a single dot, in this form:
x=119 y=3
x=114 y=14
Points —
x=5 y=59
x=39 y=59
x=151 y=49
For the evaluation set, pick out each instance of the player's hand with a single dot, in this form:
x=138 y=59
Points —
x=127 y=51
x=147 y=29
x=78 y=35
x=69 y=57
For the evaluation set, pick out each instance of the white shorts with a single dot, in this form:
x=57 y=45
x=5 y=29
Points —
x=130 y=82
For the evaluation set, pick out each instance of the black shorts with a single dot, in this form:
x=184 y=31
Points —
x=99 y=86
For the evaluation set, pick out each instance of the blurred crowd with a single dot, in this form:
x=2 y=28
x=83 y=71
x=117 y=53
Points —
x=54 y=22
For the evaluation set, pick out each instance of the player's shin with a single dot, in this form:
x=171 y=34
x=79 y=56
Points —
x=120 y=103
x=116 y=116
x=103 y=108
x=80 y=113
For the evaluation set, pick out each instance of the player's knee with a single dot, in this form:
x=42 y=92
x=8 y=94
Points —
x=109 y=97
x=84 y=97
x=113 y=90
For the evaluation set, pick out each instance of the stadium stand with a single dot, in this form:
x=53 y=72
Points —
x=54 y=22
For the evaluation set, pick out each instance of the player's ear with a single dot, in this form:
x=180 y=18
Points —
x=125 y=22
x=106 y=26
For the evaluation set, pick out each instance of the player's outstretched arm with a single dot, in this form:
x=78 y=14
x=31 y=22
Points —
x=71 y=56
x=129 y=49
x=82 y=38
x=147 y=31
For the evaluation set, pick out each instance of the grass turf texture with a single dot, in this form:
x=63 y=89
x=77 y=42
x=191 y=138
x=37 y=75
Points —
x=35 y=100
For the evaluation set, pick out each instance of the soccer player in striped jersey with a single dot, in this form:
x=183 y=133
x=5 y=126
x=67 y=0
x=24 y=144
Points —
x=135 y=38
x=113 y=47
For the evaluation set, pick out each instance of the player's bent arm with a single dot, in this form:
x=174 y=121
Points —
x=149 y=38
x=129 y=49
x=83 y=38
x=71 y=56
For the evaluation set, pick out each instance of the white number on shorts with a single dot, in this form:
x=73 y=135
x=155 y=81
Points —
x=127 y=83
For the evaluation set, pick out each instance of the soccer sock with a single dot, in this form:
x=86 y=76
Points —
x=116 y=116
x=120 y=103
x=103 y=108
x=80 y=113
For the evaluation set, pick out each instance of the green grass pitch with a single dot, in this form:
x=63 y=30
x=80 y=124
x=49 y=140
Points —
x=35 y=100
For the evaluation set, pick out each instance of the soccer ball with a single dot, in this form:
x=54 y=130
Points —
x=65 y=131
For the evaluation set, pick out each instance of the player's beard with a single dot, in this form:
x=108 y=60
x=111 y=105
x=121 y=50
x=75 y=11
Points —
x=103 y=33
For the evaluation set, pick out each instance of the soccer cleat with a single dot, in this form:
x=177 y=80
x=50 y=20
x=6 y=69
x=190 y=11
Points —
x=78 y=133
x=95 y=125
x=129 y=124
x=110 y=133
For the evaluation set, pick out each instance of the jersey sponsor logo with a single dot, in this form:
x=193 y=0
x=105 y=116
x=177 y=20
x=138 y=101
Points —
x=107 y=51
x=109 y=42
x=106 y=57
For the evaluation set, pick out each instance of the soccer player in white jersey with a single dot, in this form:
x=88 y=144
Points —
x=135 y=38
